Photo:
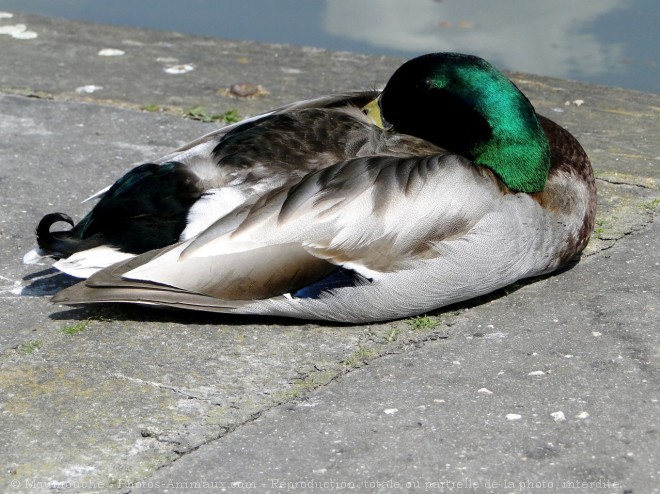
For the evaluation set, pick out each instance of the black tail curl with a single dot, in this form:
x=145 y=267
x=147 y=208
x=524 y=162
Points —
x=62 y=243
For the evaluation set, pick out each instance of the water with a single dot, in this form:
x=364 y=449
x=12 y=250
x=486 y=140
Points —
x=612 y=42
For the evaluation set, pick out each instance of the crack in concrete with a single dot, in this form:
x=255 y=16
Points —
x=26 y=92
x=157 y=437
x=155 y=384
x=338 y=372
x=621 y=182
x=606 y=243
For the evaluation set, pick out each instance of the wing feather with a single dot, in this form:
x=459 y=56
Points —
x=356 y=98
x=82 y=293
x=405 y=204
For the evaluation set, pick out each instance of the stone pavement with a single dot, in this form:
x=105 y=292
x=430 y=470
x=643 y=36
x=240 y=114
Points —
x=549 y=385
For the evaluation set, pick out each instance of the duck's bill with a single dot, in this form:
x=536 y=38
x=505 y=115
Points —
x=372 y=110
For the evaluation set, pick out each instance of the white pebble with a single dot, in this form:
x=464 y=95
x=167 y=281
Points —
x=536 y=373
x=13 y=29
x=596 y=333
x=179 y=69
x=513 y=416
x=6 y=15
x=18 y=31
x=88 y=89
x=485 y=391
x=25 y=35
x=578 y=102
x=582 y=415
x=390 y=411
x=111 y=52
x=558 y=416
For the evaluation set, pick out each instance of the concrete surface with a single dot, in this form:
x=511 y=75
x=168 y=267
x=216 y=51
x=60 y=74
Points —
x=580 y=374
x=125 y=399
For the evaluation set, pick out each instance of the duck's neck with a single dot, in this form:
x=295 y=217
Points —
x=517 y=149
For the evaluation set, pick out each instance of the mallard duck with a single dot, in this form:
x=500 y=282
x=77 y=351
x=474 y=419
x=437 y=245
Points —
x=370 y=206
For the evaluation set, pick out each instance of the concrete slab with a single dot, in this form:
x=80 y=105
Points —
x=550 y=389
x=98 y=399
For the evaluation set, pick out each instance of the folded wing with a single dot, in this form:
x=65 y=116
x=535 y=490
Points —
x=368 y=217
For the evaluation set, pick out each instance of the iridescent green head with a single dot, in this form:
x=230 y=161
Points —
x=465 y=105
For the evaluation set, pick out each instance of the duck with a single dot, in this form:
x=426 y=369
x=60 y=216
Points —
x=367 y=206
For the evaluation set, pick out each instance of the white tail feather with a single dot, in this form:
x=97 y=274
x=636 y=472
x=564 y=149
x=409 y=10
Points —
x=87 y=262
